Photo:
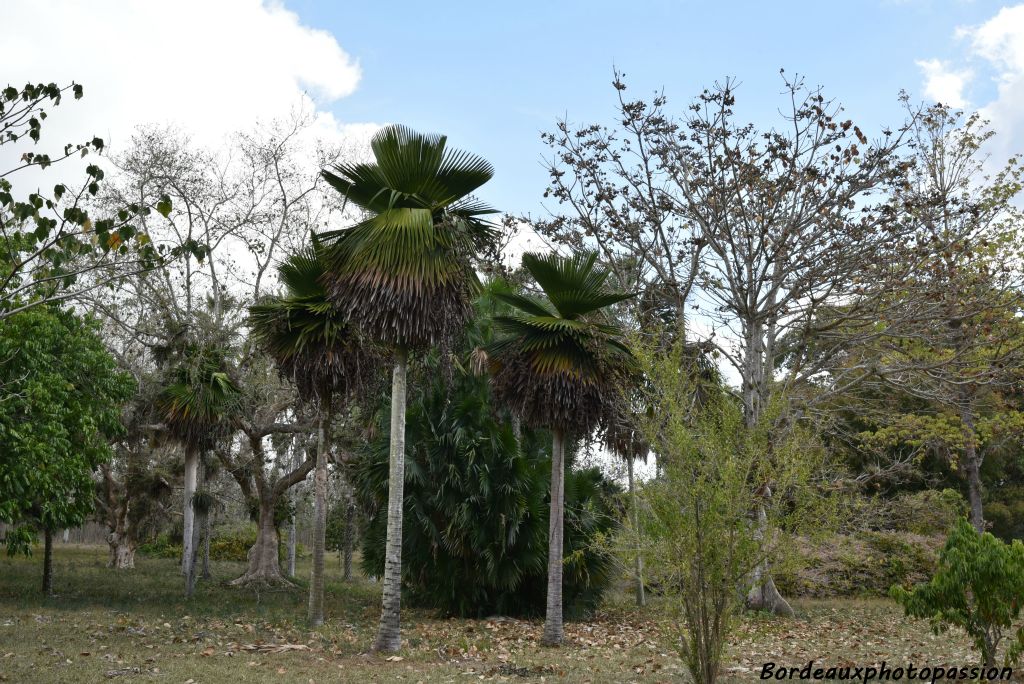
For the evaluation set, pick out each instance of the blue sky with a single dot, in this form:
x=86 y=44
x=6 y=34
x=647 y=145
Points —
x=493 y=75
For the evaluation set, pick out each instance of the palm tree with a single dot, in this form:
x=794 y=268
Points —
x=326 y=358
x=560 y=364
x=403 y=274
x=196 y=405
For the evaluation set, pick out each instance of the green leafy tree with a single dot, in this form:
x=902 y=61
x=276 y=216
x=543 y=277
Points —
x=61 y=398
x=404 y=275
x=328 y=360
x=978 y=586
x=558 y=364
x=693 y=523
x=54 y=244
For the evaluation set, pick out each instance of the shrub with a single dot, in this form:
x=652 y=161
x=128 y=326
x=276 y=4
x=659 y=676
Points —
x=926 y=512
x=978 y=586
x=230 y=544
x=476 y=513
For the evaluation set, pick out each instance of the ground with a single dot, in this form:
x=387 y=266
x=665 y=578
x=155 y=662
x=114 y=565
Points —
x=133 y=626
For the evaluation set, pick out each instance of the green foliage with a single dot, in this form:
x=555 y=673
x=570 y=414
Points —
x=51 y=239
x=476 y=510
x=704 y=526
x=979 y=587
x=199 y=399
x=61 y=398
x=559 y=361
x=231 y=544
x=404 y=272
x=308 y=336
x=863 y=563
x=927 y=512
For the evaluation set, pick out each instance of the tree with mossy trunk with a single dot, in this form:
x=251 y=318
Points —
x=404 y=275
x=326 y=358
x=559 y=363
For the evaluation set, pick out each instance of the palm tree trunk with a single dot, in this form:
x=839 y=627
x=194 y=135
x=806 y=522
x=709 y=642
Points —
x=207 y=532
x=47 y=561
x=188 y=514
x=388 y=635
x=553 y=632
x=316 y=581
x=638 y=568
x=350 y=533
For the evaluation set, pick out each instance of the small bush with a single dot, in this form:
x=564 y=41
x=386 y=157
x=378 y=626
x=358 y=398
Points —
x=927 y=512
x=978 y=586
x=231 y=544
x=863 y=563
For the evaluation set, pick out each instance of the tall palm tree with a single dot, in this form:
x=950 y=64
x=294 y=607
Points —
x=197 y=405
x=326 y=358
x=560 y=364
x=404 y=275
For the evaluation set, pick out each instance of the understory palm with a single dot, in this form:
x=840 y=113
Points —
x=560 y=363
x=404 y=275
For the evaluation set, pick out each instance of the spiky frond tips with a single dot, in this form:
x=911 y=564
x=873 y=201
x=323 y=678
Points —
x=559 y=363
x=308 y=336
x=404 y=273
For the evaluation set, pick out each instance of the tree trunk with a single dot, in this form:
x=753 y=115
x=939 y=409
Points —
x=553 y=630
x=972 y=470
x=190 y=571
x=638 y=568
x=316 y=580
x=188 y=514
x=350 y=533
x=47 y=561
x=264 y=566
x=292 y=544
x=763 y=594
x=207 y=532
x=122 y=550
x=388 y=634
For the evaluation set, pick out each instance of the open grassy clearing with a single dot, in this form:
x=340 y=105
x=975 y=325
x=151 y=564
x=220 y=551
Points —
x=134 y=626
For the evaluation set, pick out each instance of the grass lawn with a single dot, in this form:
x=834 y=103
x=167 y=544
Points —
x=104 y=626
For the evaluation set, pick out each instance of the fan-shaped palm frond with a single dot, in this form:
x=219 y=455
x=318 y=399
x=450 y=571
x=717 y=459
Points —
x=308 y=336
x=199 y=400
x=404 y=272
x=558 y=363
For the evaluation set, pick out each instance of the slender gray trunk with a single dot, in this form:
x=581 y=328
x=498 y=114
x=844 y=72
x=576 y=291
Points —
x=47 y=561
x=763 y=594
x=188 y=514
x=388 y=634
x=350 y=533
x=638 y=567
x=972 y=471
x=292 y=544
x=316 y=581
x=553 y=628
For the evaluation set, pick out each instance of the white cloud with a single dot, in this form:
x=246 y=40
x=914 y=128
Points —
x=943 y=84
x=209 y=67
x=994 y=48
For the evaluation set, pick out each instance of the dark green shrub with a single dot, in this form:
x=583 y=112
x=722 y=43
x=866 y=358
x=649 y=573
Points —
x=978 y=586
x=476 y=512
